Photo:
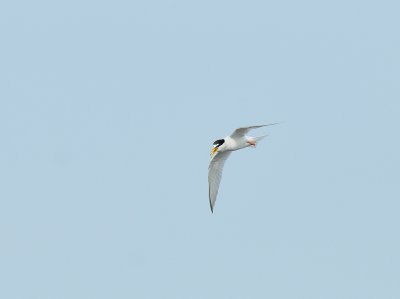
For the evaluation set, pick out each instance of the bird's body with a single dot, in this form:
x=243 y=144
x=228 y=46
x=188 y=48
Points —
x=222 y=148
x=234 y=144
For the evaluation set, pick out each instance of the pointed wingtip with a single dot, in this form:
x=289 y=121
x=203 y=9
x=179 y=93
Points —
x=273 y=124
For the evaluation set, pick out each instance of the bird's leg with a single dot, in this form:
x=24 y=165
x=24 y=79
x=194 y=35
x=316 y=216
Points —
x=251 y=142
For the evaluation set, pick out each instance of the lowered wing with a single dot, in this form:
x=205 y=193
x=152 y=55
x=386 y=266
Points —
x=215 y=174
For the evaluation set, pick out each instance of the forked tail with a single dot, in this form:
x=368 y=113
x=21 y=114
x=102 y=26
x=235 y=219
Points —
x=257 y=139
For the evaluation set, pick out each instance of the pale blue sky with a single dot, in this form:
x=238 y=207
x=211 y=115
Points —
x=108 y=110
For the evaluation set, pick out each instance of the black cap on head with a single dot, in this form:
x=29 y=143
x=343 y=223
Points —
x=218 y=142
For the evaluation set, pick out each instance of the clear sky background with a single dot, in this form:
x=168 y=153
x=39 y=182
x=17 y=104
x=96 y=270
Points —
x=108 y=110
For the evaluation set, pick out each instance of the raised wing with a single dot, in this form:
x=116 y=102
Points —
x=241 y=132
x=215 y=174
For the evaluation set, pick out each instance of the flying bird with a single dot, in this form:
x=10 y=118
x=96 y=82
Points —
x=222 y=148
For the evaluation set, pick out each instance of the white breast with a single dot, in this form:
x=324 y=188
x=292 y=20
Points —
x=233 y=144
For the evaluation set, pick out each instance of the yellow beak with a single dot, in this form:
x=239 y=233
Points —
x=213 y=151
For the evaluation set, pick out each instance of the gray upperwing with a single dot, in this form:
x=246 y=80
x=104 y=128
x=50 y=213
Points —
x=241 y=132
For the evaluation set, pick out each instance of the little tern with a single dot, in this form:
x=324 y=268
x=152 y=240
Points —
x=222 y=148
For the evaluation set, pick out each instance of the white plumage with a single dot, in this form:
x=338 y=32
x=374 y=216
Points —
x=220 y=152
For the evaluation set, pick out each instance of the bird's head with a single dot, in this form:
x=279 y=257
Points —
x=216 y=145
